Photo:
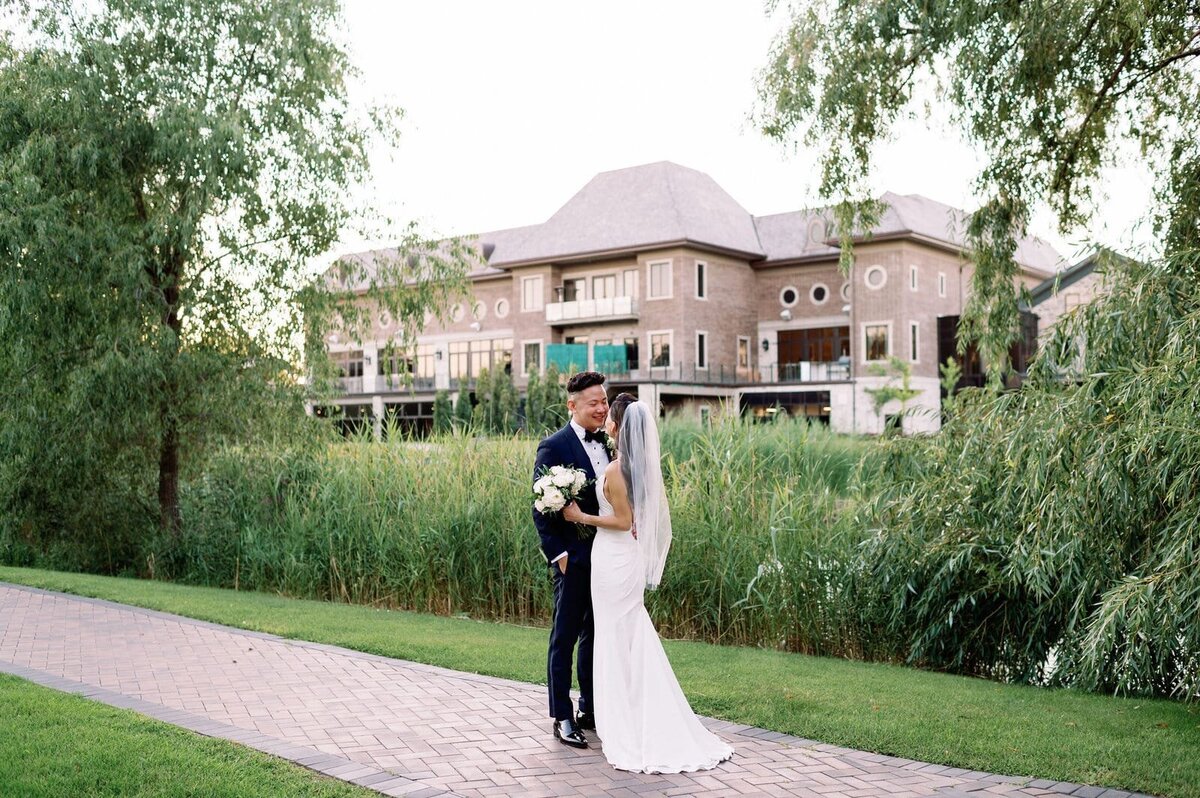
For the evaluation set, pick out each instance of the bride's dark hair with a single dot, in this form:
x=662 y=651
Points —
x=617 y=411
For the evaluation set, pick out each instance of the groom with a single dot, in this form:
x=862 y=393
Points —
x=580 y=444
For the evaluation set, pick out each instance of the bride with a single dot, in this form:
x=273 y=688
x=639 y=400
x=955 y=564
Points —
x=642 y=717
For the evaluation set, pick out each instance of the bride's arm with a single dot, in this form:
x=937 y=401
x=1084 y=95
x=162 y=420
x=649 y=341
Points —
x=617 y=495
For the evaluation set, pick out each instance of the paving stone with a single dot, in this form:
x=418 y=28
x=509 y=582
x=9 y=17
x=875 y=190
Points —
x=406 y=729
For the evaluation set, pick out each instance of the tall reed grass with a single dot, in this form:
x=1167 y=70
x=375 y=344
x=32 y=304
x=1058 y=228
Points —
x=761 y=518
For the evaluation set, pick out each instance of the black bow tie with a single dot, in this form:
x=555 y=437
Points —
x=599 y=436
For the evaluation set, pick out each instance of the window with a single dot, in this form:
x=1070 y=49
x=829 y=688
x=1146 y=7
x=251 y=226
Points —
x=876 y=341
x=425 y=361
x=531 y=355
x=743 y=352
x=701 y=350
x=501 y=308
x=629 y=283
x=701 y=280
x=660 y=349
x=459 y=357
x=351 y=364
x=660 y=280
x=912 y=278
x=631 y=353
x=604 y=286
x=845 y=292
x=819 y=293
x=789 y=296
x=392 y=362
x=532 y=297
x=502 y=349
x=574 y=290
x=914 y=333
x=481 y=357
x=941 y=283
x=875 y=278
x=813 y=345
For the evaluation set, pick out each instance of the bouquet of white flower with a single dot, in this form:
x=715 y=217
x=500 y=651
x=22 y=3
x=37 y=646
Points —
x=556 y=487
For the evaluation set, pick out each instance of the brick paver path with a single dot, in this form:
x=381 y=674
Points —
x=406 y=729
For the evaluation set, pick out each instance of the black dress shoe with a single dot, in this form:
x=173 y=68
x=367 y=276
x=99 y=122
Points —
x=586 y=721
x=568 y=734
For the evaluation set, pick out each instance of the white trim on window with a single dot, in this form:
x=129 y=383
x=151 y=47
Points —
x=456 y=313
x=941 y=284
x=749 y=351
x=845 y=291
x=912 y=278
x=650 y=348
x=501 y=308
x=702 y=334
x=812 y=294
x=668 y=282
x=701 y=280
x=875 y=270
x=601 y=278
x=914 y=341
x=863 y=337
x=795 y=296
x=541 y=365
x=533 y=300
x=629 y=283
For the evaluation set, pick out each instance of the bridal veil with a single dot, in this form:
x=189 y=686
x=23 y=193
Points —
x=641 y=465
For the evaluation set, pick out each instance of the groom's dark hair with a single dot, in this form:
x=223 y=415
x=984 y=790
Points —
x=584 y=380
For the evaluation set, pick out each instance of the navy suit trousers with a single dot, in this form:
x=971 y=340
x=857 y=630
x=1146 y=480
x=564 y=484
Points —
x=572 y=624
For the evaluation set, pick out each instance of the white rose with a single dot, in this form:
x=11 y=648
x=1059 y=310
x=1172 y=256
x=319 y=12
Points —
x=564 y=479
x=540 y=506
x=579 y=480
x=557 y=469
x=555 y=500
x=541 y=485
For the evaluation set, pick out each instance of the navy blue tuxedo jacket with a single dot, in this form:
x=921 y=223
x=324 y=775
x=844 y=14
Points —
x=564 y=448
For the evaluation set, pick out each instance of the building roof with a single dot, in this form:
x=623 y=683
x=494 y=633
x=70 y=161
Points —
x=636 y=208
x=1100 y=256
x=663 y=204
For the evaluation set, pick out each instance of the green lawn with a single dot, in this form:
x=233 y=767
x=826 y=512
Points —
x=1134 y=744
x=54 y=745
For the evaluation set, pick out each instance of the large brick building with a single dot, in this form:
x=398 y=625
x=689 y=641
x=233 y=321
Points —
x=656 y=276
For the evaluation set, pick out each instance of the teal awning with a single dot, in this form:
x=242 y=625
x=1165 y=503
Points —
x=610 y=358
x=567 y=357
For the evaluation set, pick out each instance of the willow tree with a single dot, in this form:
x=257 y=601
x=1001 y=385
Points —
x=169 y=169
x=1048 y=535
x=1049 y=93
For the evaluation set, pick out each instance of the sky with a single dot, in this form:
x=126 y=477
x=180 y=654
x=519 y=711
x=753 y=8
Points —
x=511 y=107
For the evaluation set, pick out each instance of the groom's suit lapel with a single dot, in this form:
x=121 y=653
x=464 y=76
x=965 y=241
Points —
x=581 y=456
x=583 y=461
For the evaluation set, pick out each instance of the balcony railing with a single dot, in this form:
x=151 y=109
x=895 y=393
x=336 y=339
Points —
x=384 y=383
x=806 y=371
x=402 y=382
x=809 y=372
x=618 y=308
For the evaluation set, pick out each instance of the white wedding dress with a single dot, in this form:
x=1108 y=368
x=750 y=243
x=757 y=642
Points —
x=642 y=717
